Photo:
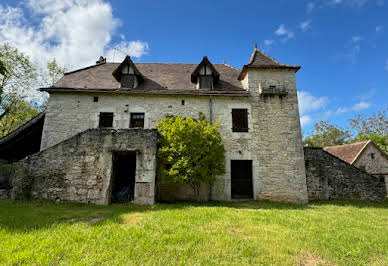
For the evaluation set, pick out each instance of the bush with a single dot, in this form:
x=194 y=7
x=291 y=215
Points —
x=191 y=151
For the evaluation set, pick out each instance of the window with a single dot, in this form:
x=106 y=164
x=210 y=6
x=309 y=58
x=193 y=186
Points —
x=137 y=120
x=372 y=156
x=205 y=82
x=95 y=99
x=128 y=81
x=240 y=120
x=106 y=120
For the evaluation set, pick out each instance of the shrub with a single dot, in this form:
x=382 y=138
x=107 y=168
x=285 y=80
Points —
x=190 y=151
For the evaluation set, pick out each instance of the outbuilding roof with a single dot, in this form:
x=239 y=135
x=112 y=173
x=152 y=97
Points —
x=348 y=152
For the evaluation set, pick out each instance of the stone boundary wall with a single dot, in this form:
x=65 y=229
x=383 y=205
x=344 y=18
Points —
x=328 y=177
x=79 y=169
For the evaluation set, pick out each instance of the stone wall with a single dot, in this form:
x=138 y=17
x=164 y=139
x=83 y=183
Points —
x=377 y=165
x=273 y=142
x=328 y=177
x=80 y=168
x=4 y=193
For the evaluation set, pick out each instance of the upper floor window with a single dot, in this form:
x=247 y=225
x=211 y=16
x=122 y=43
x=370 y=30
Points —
x=240 y=120
x=137 y=120
x=205 y=82
x=127 y=77
x=106 y=120
x=372 y=156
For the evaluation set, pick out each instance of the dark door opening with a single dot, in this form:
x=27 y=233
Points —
x=241 y=175
x=124 y=173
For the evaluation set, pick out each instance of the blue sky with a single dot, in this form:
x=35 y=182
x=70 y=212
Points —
x=342 y=45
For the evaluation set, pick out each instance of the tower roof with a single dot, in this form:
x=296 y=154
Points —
x=260 y=60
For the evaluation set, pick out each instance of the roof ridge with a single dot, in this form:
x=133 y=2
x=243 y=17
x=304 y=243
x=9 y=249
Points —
x=348 y=144
x=225 y=64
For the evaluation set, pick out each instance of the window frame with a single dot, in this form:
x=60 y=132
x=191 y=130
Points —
x=238 y=121
x=132 y=119
x=101 y=123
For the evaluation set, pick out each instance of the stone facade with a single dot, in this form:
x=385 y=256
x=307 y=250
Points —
x=328 y=177
x=80 y=168
x=373 y=161
x=273 y=142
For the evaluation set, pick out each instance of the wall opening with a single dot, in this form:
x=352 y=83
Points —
x=241 y=179
x=124 y=177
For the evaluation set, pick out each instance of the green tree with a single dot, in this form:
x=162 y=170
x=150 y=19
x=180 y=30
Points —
x=325 y=134
x=373 y=127
x=53 y=73
x=191 y=151
x=20 y=113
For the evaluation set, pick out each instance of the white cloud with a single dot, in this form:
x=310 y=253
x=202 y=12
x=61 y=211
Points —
x=268 y=42
x=356 y=107
x=351 y=3
x=309 y=7
x=133 y=48
x=305 y=120
x=379 y=28
x=305 y=25
x=75 y=32
x=361 y=106
x=356 y=38
x=309 y=103
x=283 y=32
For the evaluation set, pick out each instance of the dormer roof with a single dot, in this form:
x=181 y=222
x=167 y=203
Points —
x=127 y=62
x=205 y=62
x=260 y=60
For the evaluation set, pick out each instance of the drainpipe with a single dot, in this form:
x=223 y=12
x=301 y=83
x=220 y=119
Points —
x=211 y=110
x=211 y=123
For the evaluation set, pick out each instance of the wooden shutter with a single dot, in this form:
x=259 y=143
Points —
x=106 y=120
x=240 y=120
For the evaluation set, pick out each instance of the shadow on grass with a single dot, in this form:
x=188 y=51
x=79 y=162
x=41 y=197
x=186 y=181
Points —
x=25 y=216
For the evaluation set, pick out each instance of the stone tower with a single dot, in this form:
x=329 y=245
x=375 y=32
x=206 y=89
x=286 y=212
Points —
x=277 y=127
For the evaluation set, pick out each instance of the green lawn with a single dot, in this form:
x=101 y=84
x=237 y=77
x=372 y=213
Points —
x=233 y=233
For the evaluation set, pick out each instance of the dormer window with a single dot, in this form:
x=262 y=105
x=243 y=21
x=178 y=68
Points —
x=205 y=75
x=127 y=77
x=127 y=74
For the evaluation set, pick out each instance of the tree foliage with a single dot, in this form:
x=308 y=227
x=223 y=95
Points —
x=19 y=80
x=374 y=127
x=191 y=151
x=53 y=73
x=325 y=134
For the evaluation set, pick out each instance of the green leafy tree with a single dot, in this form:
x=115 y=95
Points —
x=325 y=134
x=191 y=151
x=20 y=113
x=17 y=81
x=374 y=127
x=53 y=73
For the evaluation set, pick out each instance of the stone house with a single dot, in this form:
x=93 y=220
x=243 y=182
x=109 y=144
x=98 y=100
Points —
x=99 y=129
x=97 y=140
x=365 y=155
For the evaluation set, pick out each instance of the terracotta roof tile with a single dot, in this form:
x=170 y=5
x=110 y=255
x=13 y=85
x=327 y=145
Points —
x=347 y=152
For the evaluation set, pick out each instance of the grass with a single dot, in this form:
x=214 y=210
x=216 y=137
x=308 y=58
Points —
x=232 y=233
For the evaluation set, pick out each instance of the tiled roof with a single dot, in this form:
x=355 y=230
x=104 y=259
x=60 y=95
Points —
x=259 y=59
x=159 y=78
x=347 y=152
